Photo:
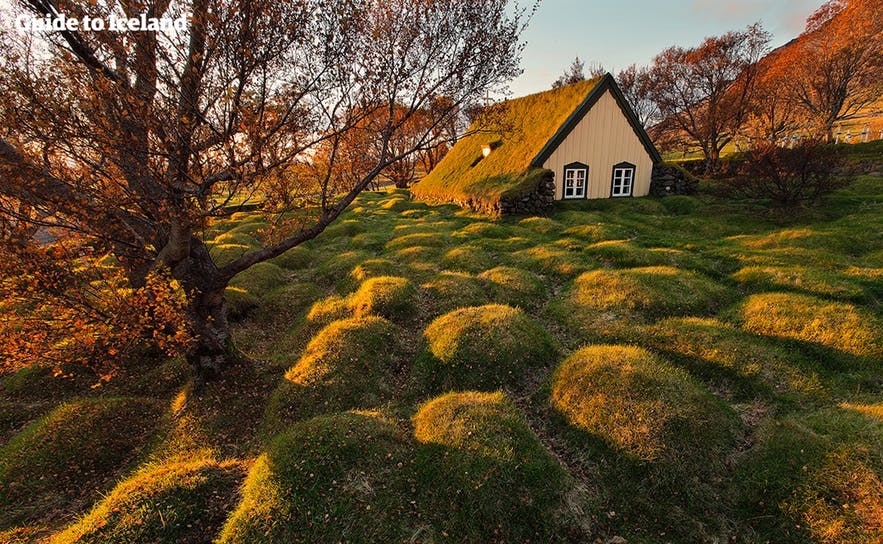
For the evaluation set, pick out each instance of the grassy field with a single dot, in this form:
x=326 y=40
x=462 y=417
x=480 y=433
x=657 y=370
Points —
x=687 y=369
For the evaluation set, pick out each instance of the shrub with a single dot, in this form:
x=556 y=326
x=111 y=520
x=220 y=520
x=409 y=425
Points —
x=185 y=501
x=640 y=405
x=65 y=459
x=791 y=176
x=484 y=347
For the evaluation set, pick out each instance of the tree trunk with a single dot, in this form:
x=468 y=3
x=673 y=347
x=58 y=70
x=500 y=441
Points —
x=207 y=312
x=214 y=349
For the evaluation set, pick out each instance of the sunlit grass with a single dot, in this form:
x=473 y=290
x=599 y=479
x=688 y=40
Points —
x=483 y=347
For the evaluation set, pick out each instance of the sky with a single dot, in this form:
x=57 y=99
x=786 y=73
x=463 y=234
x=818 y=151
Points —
x=618 y=33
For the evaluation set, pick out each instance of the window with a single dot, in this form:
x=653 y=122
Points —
x=623 y=179
x=575 y=179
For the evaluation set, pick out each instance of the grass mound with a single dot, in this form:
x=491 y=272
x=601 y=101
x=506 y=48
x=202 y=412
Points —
x=184 y=501
x=224 y=254
x=386 y=296
x=549 y=259
x=360 y=477
x=800 y=278
x=62 y=461
x=343 y=477
x=514 y=286
x=738 y=364
x=654 y=291
x=835 y=325
x=815 y=477
x=483 y=347
x=348 y=364
x=451 y=290
x=259 y=279
x=493 y=477
x=418 y=239
x=467 y=258
x=296 y=258
x=640 y=405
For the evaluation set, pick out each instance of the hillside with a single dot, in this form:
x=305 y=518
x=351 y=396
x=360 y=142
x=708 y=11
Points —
x=683 y=369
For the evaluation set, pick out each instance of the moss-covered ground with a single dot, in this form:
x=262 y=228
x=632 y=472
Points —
x=689 y=369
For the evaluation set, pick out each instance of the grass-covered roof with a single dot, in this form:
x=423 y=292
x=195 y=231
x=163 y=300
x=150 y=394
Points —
x=517 y=130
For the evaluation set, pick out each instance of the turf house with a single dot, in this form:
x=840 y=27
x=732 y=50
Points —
x=574 y=142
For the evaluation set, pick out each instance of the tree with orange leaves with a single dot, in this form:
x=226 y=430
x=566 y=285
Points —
x=134 y=141
x=834 y=68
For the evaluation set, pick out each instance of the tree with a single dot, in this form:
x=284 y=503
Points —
x=577 y=73
x=705 y=92
x=774 y=111
x=833 y=70
x=135 y=141
x=637 y=86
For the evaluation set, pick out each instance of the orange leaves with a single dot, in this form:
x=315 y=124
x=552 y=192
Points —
x=68 y=311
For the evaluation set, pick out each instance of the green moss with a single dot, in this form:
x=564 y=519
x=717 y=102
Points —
x=290 y=300
x=340 y=477
x=184 y=501
x=224 y=254
x=549 y=259
x=62 y=461
x=329 y=309
x=641 y=406
x=348 y=364
x=338 y=266
x=236 y=239
x=515 y=287
x=483 y=347
x=419 y=239
x=240 y=303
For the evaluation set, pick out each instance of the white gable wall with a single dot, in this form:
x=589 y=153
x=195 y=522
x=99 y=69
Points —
x=602 y=139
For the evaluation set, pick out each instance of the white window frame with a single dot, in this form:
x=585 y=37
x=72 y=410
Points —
x=623 y=181
x=575 y=181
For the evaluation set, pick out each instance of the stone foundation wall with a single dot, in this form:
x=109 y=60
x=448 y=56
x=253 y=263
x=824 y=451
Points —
x=538 y=201
x=671 y=180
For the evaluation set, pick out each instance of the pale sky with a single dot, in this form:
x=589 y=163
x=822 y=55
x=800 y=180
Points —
x=617 y=33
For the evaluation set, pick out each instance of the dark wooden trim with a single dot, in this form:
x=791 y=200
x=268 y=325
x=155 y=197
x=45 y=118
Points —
x=613 y=175
x=607 y=83
x=575 y=166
